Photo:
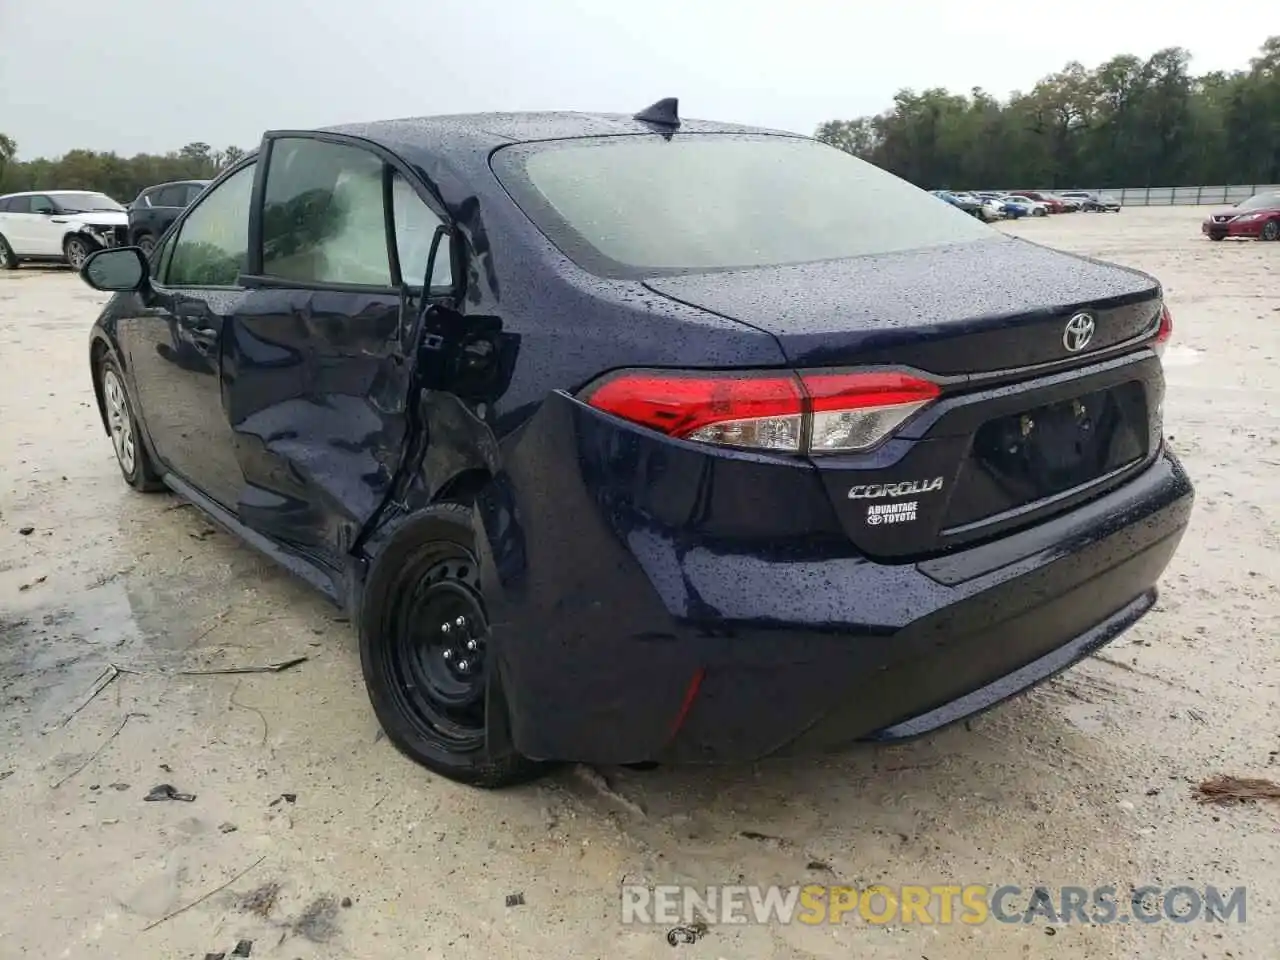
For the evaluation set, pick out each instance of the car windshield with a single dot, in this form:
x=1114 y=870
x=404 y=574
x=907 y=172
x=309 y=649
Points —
x=637 y=206
x=1260 y=201
x=84 y=202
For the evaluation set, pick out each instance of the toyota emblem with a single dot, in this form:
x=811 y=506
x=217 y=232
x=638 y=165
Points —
x=1078 y=332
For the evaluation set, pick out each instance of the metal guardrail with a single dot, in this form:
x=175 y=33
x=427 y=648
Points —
x=1225 y=195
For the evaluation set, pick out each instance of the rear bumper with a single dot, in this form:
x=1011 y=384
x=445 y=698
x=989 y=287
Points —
x=619 y=641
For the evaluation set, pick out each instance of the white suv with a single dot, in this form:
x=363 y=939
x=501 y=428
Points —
x=59 y=226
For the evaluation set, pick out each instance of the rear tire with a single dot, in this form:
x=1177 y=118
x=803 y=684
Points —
x=131 y=453
x=1271 y=230
x=77 y=249
x=424 y=634
x=8 y=259
x=1216 y=236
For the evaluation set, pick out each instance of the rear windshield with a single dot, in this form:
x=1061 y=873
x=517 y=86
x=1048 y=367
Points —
x=644 y=206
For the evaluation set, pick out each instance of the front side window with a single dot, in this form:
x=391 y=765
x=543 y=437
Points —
x=324 y=216
x=213 y=240
x=644 y=205
x=39 y=204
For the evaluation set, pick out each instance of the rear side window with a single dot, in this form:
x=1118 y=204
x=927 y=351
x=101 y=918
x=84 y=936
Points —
x=19 y=205
x=644 y=205
x=212 y=241
x=324 y=215
x=170 y=197
x=4 y=205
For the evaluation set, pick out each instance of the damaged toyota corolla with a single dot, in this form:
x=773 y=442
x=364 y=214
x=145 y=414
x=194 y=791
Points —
x=633 y=439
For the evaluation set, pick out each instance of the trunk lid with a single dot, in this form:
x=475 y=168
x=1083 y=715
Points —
x=961 y=310
x=1025 y=428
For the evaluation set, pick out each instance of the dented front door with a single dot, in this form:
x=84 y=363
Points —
x=316 y=373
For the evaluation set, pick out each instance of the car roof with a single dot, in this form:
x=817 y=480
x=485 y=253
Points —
x=454 y=149
x=41 y=193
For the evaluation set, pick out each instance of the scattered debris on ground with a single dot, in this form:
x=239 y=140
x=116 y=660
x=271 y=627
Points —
x=263 y=668
x=1225 y=789
x=201 y=899
x=260 y=901
x=284 y=798
x=109 y=673
x=166 y=791
x=690 y=934
x=26 y=531
x=515 y=899
x=318 y=922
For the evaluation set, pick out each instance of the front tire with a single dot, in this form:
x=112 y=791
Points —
x=424 y=649
x=77 y=249
x=8 y=259
x=131 y=453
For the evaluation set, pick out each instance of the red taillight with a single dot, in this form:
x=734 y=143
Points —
x=1165 y=332
x=813 y=411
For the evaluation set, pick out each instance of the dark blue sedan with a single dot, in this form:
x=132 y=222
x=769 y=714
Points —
x=635 y=439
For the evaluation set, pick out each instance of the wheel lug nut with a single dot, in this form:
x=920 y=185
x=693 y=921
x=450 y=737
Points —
x=472 y=645
x=445 y=627
x=460 y=622
x=464 y=665
x=448 y=654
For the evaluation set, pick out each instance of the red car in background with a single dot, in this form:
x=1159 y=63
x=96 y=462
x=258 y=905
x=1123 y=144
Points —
x=1053 y=203
x=1258 y=218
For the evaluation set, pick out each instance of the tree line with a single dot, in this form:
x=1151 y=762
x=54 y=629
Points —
x=107 y=172
x=1128 y=123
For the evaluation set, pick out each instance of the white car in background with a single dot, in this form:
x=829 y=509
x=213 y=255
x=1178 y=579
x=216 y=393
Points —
x=1031 y=208
x=58 y=226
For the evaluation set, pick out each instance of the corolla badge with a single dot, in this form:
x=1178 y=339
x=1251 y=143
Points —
x=907 y=488
x=1078 y=332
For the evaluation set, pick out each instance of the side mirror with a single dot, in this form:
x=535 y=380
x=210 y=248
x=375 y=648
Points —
x=116 y=269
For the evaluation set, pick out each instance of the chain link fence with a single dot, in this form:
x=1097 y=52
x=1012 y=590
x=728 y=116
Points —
x=1178 y=196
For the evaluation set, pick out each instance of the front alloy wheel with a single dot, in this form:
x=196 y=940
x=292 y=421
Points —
x=77 y=250
x=119 y=422
x=135 y=463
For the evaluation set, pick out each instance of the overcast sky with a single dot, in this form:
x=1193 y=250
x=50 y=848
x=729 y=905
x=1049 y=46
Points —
x=151 y=75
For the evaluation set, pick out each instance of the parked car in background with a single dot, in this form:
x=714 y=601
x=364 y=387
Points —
x=1257 y=218
x=158 y=206
x=966 y=202
x=610 y=475
x=993 y=209
x=1069 y=204
x=1027 y=206
x=58 y=226
x=1051 y=204
x=1097 y=202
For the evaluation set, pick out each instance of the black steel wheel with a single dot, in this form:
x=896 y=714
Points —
x=424 y=647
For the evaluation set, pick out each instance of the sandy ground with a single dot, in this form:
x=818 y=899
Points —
x=1086 y=781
